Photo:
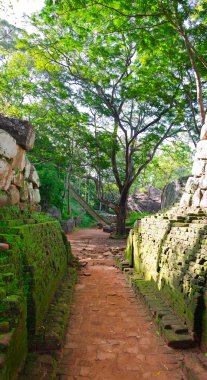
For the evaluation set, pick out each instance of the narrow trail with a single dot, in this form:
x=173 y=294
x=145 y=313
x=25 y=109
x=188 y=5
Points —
x=110 y=334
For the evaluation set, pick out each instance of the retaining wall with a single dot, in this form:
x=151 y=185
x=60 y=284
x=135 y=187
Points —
x=30 y=271
x=172 y=252
x=19 y=181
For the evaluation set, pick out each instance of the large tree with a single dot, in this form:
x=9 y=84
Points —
x=119 y=76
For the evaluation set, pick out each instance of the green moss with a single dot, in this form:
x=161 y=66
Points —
x=30 y=272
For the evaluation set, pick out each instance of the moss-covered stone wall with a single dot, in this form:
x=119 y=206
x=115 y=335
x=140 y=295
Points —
x=172 y=252
x=30 y=271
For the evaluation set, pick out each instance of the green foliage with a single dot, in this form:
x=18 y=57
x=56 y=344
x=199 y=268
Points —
x=133 y=216
x=52 y=186
x=172 y=161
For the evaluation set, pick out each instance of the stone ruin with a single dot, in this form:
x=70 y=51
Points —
x=195 y=195
x=19 y=181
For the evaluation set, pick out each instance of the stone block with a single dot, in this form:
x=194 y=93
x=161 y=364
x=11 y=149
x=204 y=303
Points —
x=4 y=198
x=198 y=167
x=203 y=134
x=5 y=174
x=27 y=168
x=33 y=177
x=53 y=211
x=8 y=147
x=185 y=200
x=201 y=150
x=24 y=193
x=18 y=179
x=67 y=225
x=203 y=203
x=196 y=199
x=14 y=195
x=34 y=194
x=21 y=130
x=191 y=185
x=19 y=159
x=203 y=182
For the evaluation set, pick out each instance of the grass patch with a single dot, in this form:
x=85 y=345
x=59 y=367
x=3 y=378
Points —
x=133 y=216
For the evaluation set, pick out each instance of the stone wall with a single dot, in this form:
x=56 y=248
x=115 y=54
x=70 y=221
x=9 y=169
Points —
x=173 y=192
x=195 y=194
x=19 y=181
x=171 y=251
x=30 y=271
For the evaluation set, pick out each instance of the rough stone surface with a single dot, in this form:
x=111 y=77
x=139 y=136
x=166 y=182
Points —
x=8 y=146
x=172 y=192
x=27 y=168
x=24 y=192
x=53 y=211
x=18 y=179
x=4 y=198
x=186 y=200
x=19 y=159
x=203 y=203
x=196 y=198
x=34 y=194
x=170 y=250
x=191 y=185
x=33 y=177
x=198 y=168
x=30 y=272
x=201 y=150
x=21 y=130
x=5 y=174
x=203 y=134
x=67 y=225
x=203 y=182
x=14 y=195
x=147 y=200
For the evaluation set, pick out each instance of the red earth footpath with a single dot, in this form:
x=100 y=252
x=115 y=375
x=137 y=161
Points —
x=110 y=333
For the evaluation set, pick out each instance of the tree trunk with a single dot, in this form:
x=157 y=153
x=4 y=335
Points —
x=121 y=212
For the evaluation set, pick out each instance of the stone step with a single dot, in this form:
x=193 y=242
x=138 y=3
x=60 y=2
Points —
x=174 y=331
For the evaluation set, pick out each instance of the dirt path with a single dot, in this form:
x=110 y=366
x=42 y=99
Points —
x=110 y=334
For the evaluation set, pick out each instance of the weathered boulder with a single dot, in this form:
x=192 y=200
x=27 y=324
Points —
x=14 y=195
x=198 y=168
x=4 y=198
x=33 y=177
x=186 y=200
x=24 y=192
x=34 y=194
x=67 y=225
x=203 y=134
x=27 y=168
x=173 y=191
x=18 y=179
x=5 y=174
x=203 y=203
x=53 y=211
x=146 y=200
x=21 y=130
x=19 y=159
x=196 y=198
x=191 y=184
x=8 y=147
x=203 y=182
x=201 y=150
